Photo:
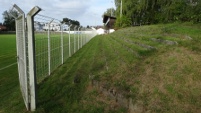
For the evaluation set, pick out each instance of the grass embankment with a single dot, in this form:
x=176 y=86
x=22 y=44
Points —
x=158 y=66
x=165 y=79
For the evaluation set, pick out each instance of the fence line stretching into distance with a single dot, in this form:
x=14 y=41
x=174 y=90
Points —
x=43 y=44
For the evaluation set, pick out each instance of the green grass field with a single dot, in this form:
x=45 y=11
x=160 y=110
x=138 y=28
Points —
x=9 y=83
x=9 y=75
x=7 y=50
x=157 y=66
x=41 y=42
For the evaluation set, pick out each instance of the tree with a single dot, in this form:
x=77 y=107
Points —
x=157 y=11
x=69 y=21
x=110 y=12
x=9 y=20
x=72 y=22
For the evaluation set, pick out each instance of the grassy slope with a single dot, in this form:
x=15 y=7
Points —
x=165 y=79
x=168 y=79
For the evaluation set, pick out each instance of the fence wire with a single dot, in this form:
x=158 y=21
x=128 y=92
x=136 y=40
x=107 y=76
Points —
x=43 y=49
x=21 y=44
x=55 y=43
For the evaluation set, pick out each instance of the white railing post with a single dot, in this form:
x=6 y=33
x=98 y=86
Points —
x=49 y=48
x=85 y=36
x=62 y=45
x=69 y=40
x=31 y=58
x=78 y=38
x=81 y=37
x=74 y=38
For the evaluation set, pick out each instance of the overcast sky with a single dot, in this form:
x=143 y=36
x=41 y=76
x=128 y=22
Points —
x=87 y=12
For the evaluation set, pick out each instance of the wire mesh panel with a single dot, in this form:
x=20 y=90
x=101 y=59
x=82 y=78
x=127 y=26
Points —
x=56 y=50
x=43 y=44
x=55 y=43
x=66 y=45
x=50 y=45
x=75 y=39
x=22 y=53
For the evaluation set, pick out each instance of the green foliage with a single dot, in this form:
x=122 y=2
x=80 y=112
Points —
x=9 y=20
x=158 y=11
x=110 y=12
x=123 y=22
x=70 y=21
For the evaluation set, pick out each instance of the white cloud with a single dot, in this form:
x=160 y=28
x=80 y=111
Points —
x=87 y=12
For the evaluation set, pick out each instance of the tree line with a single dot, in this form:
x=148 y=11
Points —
x=71 y=22
x=137 y=12
x=9 y=20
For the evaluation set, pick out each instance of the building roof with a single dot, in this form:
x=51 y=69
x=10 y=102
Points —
x=106 y=17
x=2 y=27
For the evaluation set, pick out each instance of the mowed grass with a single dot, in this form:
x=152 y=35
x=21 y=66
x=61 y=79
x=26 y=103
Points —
x=10 y=95
x=159 y=77
x=7 y=50
x=41 y=41
x=161 y=80
x=164 y=79
x=9 y=80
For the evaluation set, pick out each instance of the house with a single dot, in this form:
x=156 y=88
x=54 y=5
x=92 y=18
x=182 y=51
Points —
x=53 y=26
x=109 y=22
x=100 y=31
x=38 y=26
x=41 y=26
x=2 y=28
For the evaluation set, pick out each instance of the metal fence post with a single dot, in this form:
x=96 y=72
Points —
x=31 y=58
